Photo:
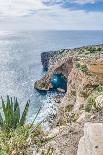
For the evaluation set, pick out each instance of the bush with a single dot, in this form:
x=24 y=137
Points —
x=90 y=102
x=84 y=68
x=15 y=136
x=77 y=64
x=99 y=49
x=99 y=88
x=11 y=113
x=20 y=140
x=92 y=50
x=92 y=105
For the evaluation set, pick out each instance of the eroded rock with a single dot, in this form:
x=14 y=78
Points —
x=92 y=141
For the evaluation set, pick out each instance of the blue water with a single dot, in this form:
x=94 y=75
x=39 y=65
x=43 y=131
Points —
x=20 y=64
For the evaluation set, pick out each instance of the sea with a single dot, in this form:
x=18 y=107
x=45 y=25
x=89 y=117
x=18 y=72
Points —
x=20 y=63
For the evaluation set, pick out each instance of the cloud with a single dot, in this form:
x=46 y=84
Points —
x=85 y=1
x=19 y=7
x=24 y=7
x=52 y=2
x=56 y=18
x=47 y=14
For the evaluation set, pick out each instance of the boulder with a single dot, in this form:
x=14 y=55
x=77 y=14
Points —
x=92 y=141
x=60 y=90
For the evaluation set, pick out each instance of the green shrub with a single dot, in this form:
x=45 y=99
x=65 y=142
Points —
x=90 y=103
x=92 y=50
x=99 y=88
x=20 y=139
x=11 y=113
x=84 y=68
x=15 y=135
x=77 y=64
x=99 y=49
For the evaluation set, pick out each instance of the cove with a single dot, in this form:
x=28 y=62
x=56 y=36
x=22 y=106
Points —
x=58 y=80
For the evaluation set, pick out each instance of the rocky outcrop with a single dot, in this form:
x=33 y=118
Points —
x=62 y=61
x=65 y=66
x=47 y=57
x=92 y=141
x=80 y=86
x=45 y=60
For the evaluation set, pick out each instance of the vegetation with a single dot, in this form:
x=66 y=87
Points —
x=77 y=64
x=92 y=50
x=84 y=68
x=92 y=105
x=99 y=88
x=11 y=113
x=15 y=136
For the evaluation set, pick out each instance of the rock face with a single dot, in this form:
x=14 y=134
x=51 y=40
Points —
x=63 y=67
x=45 y=60
x=83 y=84
x=80 y=86
x=62 y=61
x=47 y=56
x=92 y=141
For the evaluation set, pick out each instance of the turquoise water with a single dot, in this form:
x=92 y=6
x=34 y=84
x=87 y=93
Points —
x=20 y=62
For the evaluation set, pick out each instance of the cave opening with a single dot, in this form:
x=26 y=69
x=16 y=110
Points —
x=58 y=80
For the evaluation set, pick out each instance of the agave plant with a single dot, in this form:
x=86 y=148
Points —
x=11 y=117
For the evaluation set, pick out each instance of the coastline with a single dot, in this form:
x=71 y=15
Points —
x=84 y=82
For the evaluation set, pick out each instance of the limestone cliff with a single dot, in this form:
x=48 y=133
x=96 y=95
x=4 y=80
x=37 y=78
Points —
x=83 y=101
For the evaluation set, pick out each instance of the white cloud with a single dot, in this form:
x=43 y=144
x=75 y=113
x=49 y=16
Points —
x=71 y=1
x=19 y=7
x=56 y=18
x=84 y=1
x=23 y=7
x=15 y=15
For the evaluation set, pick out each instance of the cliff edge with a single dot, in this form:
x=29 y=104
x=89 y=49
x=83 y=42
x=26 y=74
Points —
x=82 y=102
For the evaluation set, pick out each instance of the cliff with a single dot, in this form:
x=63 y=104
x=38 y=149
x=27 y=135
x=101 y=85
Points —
x=83 y=100
x=62 y=62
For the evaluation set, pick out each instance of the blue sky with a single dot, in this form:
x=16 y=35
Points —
x=51 y=15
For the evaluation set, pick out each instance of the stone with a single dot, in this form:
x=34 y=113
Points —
x=92 y=141
x=99 y=101
x=81 y=118
x=53 y=132
x=60 y=90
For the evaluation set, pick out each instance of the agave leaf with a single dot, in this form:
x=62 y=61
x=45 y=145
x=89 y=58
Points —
x=42 y=121
x=35 y=117
x=1 y=121
x=4 y=109
x=12 y=110
x=16 y=112
x=24 y=114
x=16 y=104
x=9 y=114
x=16 y=117
x=3 y=106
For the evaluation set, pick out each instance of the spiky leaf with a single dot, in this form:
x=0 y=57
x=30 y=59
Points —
x=24 y=114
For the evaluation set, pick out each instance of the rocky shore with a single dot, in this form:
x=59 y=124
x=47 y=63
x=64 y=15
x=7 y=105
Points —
x=82 y=102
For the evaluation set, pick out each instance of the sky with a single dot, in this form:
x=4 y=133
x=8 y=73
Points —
x=51 y=15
